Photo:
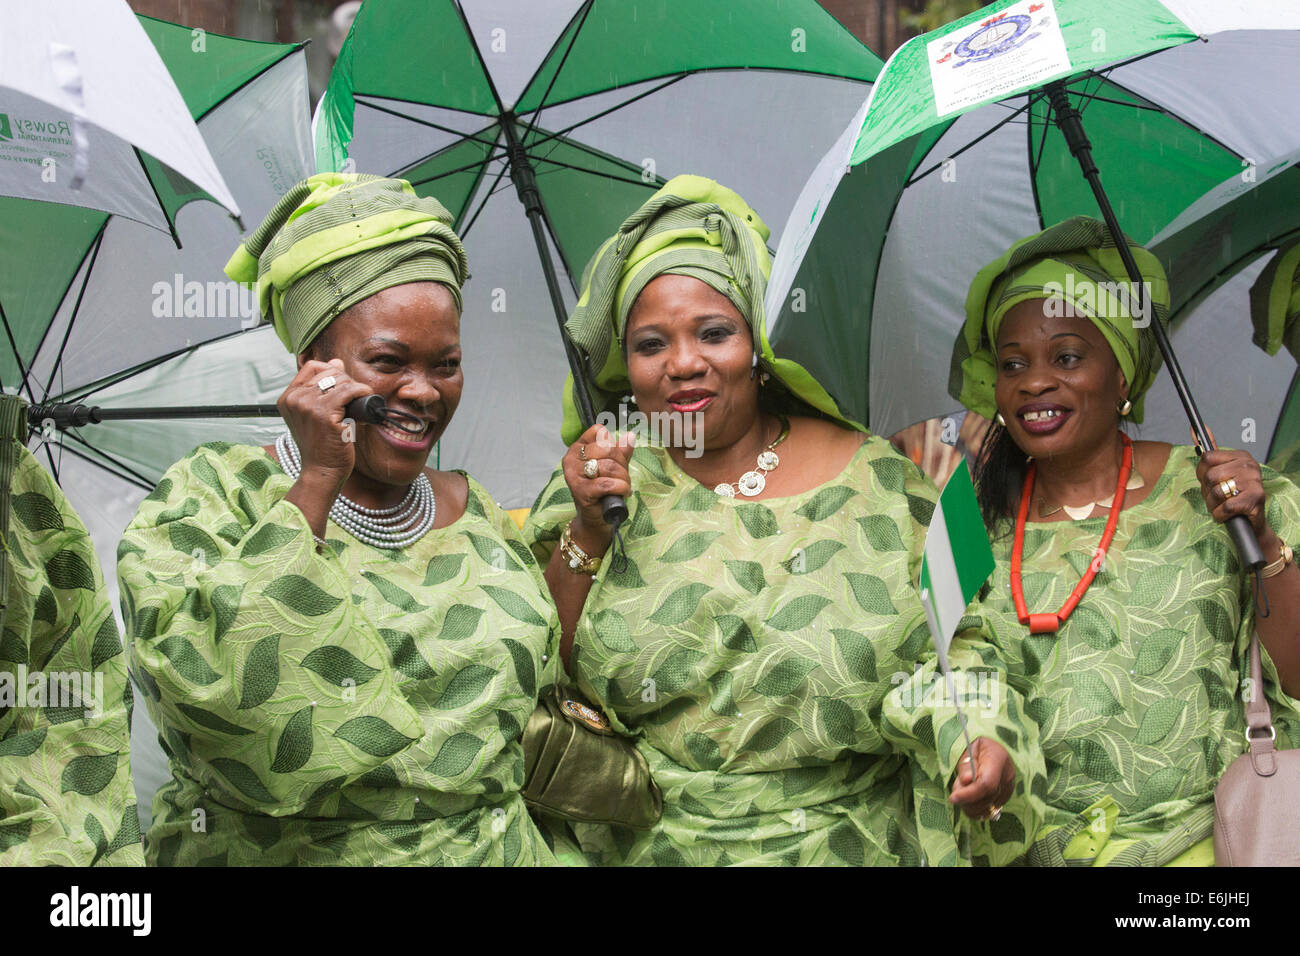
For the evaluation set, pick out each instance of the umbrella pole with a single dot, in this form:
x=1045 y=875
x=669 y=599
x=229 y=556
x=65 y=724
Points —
x=1071 y=126
x=613 y=508
x=63 y=415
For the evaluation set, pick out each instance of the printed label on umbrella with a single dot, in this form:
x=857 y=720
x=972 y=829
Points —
x=1003 y=54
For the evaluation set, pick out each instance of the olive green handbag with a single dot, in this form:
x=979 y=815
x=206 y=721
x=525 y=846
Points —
x=576 y=767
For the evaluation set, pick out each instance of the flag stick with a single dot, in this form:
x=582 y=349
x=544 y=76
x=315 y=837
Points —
x=942 y=651
x=939 y=647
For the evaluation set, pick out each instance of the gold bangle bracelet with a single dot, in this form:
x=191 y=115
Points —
x=1278 y=566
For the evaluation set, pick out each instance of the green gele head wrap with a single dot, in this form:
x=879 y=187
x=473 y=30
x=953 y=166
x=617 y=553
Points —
x=692 y=227
x=1275 y=302
x=1077 y=263
x=337 y=238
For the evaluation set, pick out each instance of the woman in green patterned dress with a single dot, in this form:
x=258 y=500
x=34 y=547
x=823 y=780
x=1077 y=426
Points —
x=66 y=797
x=749 y=643
x=334 y=685
x=1135 y=690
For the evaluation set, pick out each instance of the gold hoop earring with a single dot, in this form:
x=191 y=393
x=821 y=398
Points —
x=1001 y=421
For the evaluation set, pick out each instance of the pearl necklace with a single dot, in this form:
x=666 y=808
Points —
x=389 y=528
x=752 y=483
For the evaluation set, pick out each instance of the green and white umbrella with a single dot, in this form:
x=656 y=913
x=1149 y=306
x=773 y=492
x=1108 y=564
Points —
x=1214 y=252
x=597 y=102
x=90 y=117
x=102 y=309
x=956 y=155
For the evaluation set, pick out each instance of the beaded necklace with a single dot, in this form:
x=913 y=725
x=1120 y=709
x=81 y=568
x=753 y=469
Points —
x=389 y=528
x=1051 y=623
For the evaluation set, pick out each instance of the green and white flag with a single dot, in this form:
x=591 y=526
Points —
x=956 y=563
x=957 y=559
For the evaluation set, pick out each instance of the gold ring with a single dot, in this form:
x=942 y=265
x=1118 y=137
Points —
x=994 y=814
x=1229 y=488
x=592 y=468
x=1232 y=483
x=582 y=452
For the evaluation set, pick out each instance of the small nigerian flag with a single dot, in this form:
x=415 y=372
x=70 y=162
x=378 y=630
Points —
x=957 y=559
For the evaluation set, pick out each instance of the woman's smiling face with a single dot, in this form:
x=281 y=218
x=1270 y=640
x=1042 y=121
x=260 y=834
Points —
x=1059 y=384
x=404 y=343
x=690 y=352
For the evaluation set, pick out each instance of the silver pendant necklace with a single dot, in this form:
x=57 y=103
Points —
x=389 y=528
x=752 y=483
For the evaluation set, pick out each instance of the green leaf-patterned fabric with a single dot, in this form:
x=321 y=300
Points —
x=66 y=797
x=758 y=651
x=349 y=706
x=1139 y=696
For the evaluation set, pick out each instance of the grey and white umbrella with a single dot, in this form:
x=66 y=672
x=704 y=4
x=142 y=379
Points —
x=90 y=116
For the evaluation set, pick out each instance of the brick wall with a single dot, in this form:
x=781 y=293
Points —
x=874 y=22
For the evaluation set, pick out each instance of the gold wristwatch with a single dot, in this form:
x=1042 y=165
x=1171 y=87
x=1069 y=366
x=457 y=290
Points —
x=575 y=559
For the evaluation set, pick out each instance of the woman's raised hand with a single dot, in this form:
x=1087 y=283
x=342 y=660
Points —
x=315 y=419
x=589 y=484
x=983 y=793
x=1232 y=485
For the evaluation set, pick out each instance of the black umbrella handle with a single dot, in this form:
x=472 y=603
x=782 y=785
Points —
x=1071 y=126
x=63 y=415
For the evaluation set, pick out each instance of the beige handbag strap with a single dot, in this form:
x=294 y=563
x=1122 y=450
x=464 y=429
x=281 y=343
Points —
x=1260 y=736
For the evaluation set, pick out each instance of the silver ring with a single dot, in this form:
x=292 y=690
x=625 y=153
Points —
x=582 y=452
x=328 y=382
x=592 y=468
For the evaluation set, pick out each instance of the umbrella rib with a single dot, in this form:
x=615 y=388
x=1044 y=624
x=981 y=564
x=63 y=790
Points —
x=255 y=77
x=593 y=172
x=95 y=244
x=488 y=195
x=127 y=473
x=478 y=179
x=978 y=139
x=541 y=105
x=1036 y=161
x=590 y=151
x=555 y=241
x=452 y=172
x=76 y=310
x=171 y=226
x=473 y=137
x=1174 y=116
x=478 y=54
x=682 y=74
x=98 y=386
x=603 y=113
x=17 y=355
